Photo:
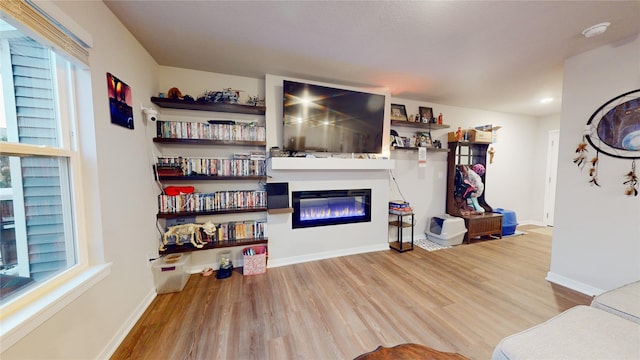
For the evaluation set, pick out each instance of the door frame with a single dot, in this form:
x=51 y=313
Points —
x=551 y=177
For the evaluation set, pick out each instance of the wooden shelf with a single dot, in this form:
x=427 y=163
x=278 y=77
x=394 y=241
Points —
x=221 y=108
x=280 y=211
x=208 y=106
x=428 y=126
x=208 y=142
x=401 y=247
x=211 y=178
x=172 y=249
x=467 y=143
x=213 y=212
x=400 y=223
x=429 y=149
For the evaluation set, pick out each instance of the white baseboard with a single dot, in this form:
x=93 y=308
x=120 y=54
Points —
x=573 y=284
x=124 y=330
x=325 y=255
x=530 y=222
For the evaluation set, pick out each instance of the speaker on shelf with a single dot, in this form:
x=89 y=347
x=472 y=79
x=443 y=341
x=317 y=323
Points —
x=277 y=195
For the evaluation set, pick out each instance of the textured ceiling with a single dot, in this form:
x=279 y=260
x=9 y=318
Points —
x=495 y=55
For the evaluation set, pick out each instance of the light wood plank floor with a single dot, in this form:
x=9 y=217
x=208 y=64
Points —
x=464 y=299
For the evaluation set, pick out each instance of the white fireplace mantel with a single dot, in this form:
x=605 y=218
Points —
x=293 y=163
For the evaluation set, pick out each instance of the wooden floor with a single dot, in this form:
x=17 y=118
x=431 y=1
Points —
x=463 y=299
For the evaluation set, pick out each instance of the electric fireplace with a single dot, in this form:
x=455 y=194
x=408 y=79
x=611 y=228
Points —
x=330 y=207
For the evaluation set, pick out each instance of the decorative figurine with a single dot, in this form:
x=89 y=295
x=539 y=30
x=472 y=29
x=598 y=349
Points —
x=253 y=100
x=227 y=96
x=174 y=93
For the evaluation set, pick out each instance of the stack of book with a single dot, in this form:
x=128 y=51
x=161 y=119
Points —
x=168 y=170
x=400 y=207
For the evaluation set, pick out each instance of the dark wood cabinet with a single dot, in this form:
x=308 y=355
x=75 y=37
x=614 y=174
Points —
x=479 y=225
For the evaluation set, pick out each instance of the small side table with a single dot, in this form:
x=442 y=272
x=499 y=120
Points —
x=400 y=224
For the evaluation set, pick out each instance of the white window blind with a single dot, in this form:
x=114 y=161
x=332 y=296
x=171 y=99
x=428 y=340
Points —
x=41 y=27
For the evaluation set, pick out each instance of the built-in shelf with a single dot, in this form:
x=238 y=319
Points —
x=294 y=163
x=208 y=142
x=213 y=212
x=419 y=125
x=208 y=106
x=211 y=178
x=172 y=249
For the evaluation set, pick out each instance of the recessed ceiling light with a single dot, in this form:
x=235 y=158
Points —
x=546 y=100
x=595 y=30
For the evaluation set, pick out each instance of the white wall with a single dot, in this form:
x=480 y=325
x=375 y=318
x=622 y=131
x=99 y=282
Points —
x=596 y=241
x=511 y=179
x=288 y=245
x=195 y=83
x=121 y=202
x=539 y=165
x=122 y=195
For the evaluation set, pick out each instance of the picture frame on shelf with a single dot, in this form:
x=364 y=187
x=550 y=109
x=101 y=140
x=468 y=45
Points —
x=426 y=114
x=399 y=141
x=424 y=139
x=398 y=112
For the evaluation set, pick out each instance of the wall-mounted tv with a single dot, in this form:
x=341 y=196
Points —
x=325 y=119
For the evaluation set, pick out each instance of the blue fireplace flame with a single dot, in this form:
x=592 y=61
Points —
x=330 y=207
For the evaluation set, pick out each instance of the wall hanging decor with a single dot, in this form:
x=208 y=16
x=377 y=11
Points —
x=120 y=104
x=613 y=130
x=399 y=112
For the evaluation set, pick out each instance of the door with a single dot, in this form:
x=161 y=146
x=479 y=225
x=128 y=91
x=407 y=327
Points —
x=550 y=180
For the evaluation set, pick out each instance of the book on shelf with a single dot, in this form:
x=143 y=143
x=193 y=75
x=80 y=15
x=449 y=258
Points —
x=398 y=204
x=216 y=201
x=225 y=232
x=403 y=211
x=238 y=131
x=400 y=207
x=213 y=166
x=240 y=230
x=168 y=170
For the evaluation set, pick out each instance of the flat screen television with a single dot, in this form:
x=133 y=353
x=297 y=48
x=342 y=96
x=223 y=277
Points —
x=325 y=119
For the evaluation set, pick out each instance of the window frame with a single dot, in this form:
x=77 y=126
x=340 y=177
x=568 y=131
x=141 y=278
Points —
x=24 y=313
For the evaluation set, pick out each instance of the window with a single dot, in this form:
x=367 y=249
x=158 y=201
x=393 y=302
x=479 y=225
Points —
x=38 y=240
x=46 y=94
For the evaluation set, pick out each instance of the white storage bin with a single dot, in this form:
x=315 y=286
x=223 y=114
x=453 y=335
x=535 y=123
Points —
x=446 y=230
x=170 y=273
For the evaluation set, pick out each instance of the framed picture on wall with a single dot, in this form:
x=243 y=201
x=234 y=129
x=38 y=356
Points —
x=424 y=139
x=398 y=112
x=426 y=114
x=120 y=104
